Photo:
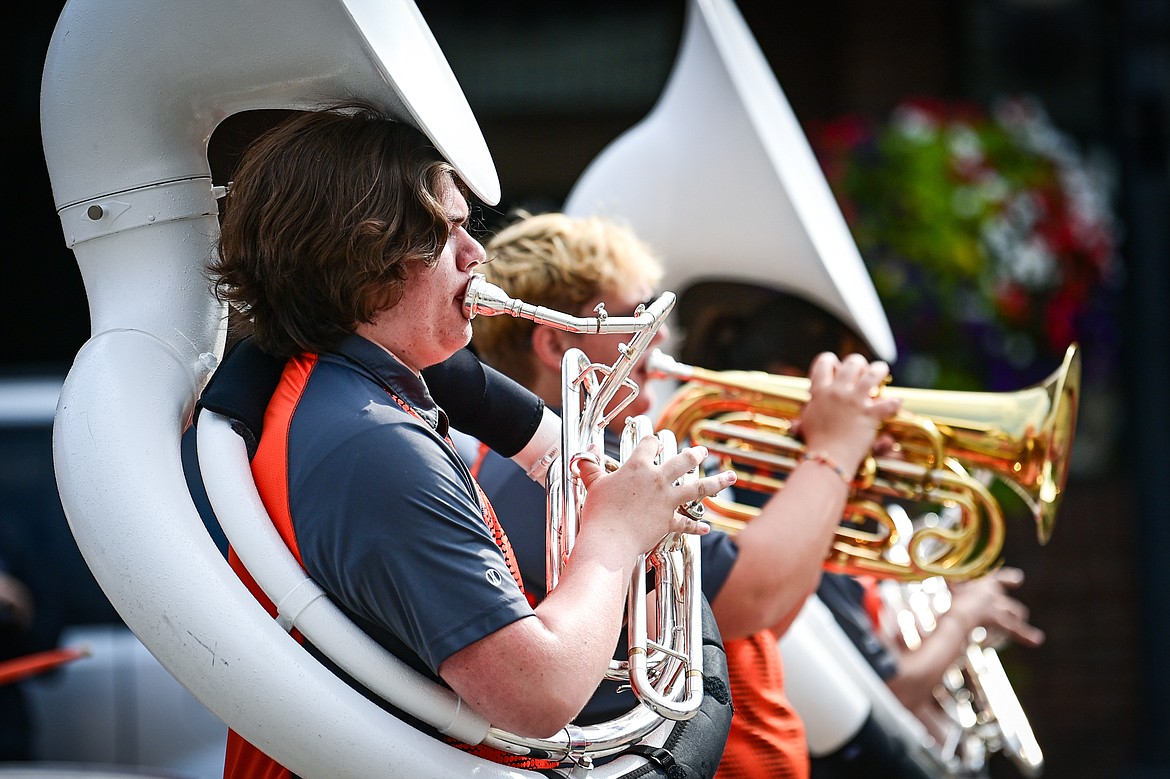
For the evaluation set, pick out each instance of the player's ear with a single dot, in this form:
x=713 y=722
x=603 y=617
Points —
x=548 y=345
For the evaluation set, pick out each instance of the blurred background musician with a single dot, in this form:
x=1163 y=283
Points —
x=755 y=582
x=742 y=327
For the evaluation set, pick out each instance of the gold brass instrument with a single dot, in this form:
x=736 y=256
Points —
x=665 y=662
x=1023 y=438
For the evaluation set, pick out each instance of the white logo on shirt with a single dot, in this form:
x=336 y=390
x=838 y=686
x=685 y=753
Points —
x=494 y=577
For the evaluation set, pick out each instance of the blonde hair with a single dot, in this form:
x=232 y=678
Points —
x=563 y=263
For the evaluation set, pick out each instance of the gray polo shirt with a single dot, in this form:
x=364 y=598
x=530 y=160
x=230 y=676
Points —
x=386 y=515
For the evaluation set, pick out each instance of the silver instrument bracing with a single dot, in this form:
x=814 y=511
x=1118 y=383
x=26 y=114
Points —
x=975 y=712
x=665 y=666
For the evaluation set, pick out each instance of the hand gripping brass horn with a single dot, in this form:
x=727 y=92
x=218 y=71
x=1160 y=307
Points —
x=665 y=664
x=1023 y=438
x=975 y=711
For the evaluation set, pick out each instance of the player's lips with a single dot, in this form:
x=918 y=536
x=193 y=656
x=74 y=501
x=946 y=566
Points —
x=460 y=296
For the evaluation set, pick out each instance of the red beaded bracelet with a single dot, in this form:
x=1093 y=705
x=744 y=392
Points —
x=826 y=460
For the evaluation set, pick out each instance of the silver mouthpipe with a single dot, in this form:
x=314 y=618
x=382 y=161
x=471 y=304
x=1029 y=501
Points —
x=661 y=365
x=483 y=297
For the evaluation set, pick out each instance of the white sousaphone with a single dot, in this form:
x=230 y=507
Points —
x=720 y=179
x=131 y=95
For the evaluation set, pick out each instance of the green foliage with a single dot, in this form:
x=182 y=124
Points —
x=989 y=238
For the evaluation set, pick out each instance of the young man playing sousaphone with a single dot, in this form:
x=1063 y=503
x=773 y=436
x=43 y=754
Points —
x=345 y=244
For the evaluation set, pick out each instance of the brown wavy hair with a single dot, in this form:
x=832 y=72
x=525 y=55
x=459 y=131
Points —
x=326 y=214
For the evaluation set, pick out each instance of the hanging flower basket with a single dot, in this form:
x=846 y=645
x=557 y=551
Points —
x=989 y=237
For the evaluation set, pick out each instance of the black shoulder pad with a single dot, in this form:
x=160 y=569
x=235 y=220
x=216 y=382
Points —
x=241 y=387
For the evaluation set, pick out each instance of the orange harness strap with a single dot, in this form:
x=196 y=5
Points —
x=498 y=530
x=871 y=600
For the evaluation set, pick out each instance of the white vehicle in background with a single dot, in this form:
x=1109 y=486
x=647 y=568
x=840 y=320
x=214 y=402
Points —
x=116 y=711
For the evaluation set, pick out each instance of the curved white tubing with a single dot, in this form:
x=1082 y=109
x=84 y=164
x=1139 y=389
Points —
x=850 y=684
x=832 y=707
x=301 y=603
x=116 y=445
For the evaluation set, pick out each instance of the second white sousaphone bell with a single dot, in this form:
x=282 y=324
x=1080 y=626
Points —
x=720 y=180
